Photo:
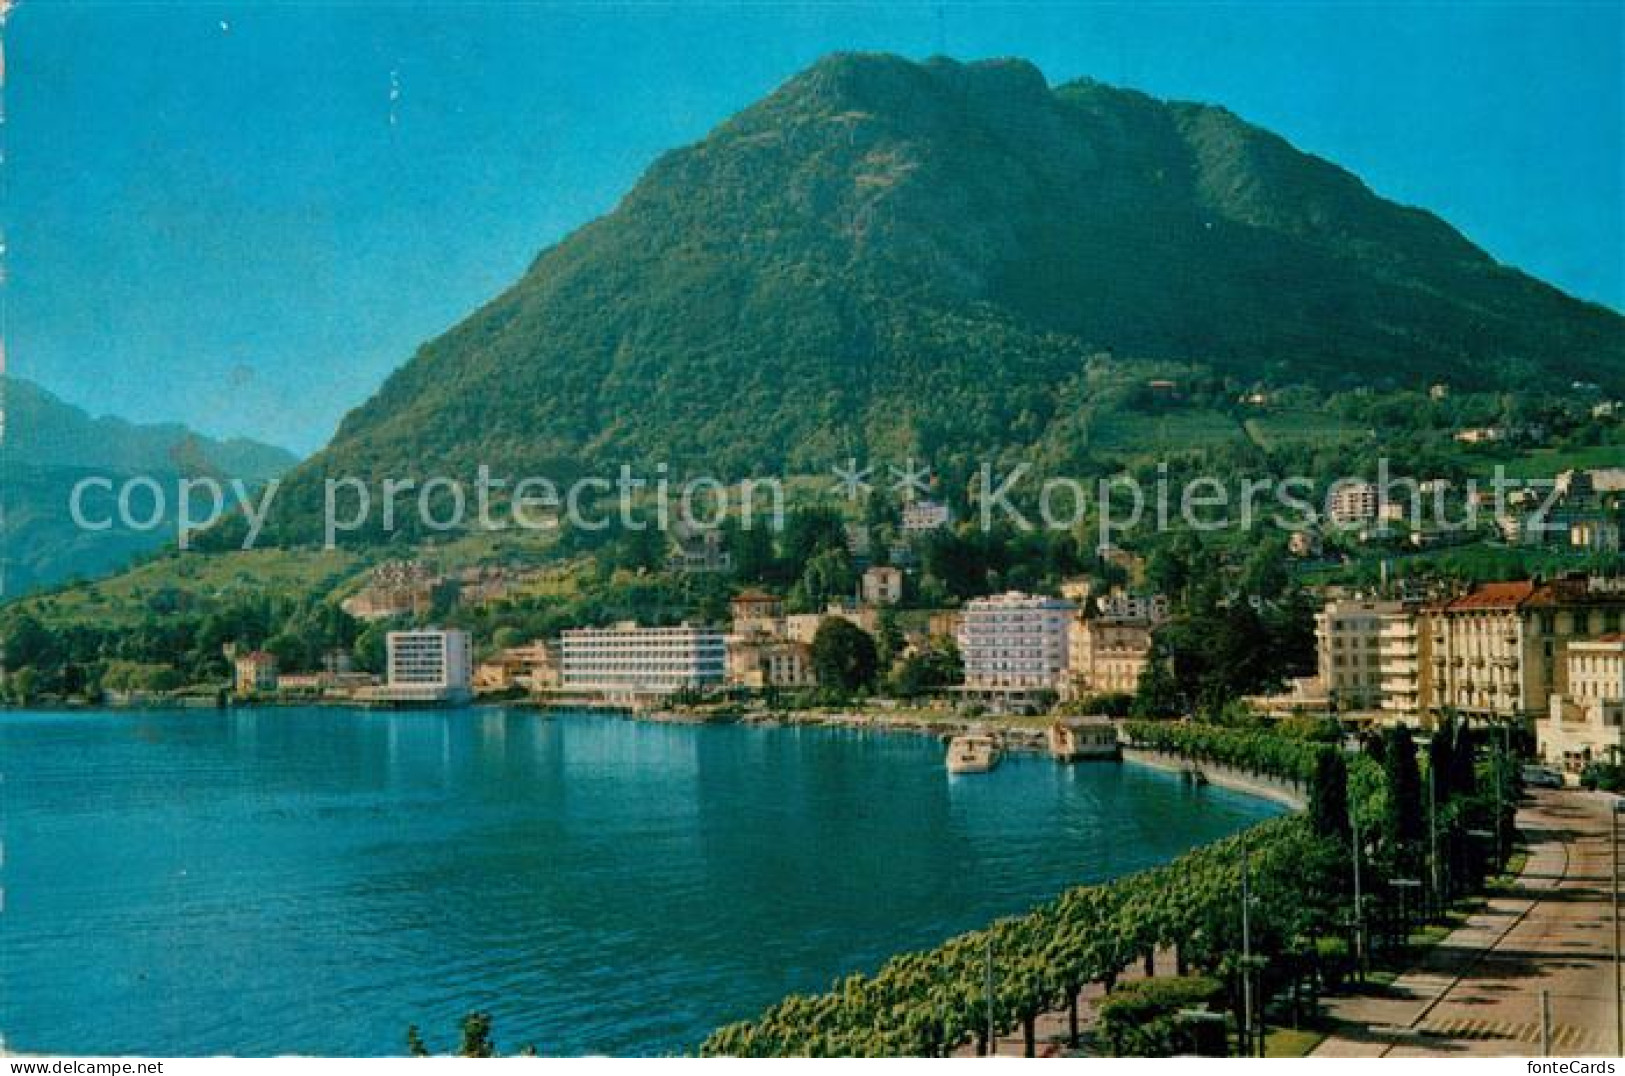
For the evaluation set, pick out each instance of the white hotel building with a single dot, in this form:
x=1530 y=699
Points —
x=629 y=663
x=1014 y=647
x=428 y=666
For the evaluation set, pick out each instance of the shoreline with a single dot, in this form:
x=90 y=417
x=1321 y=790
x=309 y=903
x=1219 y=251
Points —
x=1025 y=739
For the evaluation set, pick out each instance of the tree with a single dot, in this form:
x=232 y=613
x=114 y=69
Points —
x=811 y=531
x=844 y=655
x=23 y=685
x=1403 y=821
x=1329 y=796
x=292 y=651
x=371 y=651
x=828 y=576
x=28 y=642
x=1157 y=694
x=415 y=1046
x=1264 y=573
x=888 y=639
x=752 y=553
x=938 y=665
x=476 y=1041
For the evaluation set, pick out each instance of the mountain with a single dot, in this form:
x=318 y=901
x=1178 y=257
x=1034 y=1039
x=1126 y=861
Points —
x=50 y=446
x=885 y=256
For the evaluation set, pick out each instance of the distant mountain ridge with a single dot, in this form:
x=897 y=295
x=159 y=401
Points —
x=50 y=445
x=885 y=256
x=45 y=431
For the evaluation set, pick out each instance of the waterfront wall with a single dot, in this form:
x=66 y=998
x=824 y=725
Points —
x=1290 y=793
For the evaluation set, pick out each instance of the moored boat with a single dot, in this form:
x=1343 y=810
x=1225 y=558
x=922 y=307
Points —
x=973 y=753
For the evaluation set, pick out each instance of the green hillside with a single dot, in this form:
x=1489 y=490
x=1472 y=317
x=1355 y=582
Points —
x=891 y=258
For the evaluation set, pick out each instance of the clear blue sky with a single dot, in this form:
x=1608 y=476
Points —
x=212 y=218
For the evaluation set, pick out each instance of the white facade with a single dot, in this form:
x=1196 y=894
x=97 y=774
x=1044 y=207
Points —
x=1015 y=642
x=1352 y=503
x=1124 y=605
x=628 y=661
x=429 y=665
x=920 y=516
x=1399 y=658
x=1588 y=723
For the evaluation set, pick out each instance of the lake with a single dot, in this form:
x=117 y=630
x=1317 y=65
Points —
x=313 y=880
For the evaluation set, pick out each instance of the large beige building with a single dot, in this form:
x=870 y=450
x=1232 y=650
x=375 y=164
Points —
x=756 y=612
x=763 y=661
x=533 y=666
x=1587 y=722
x=1106 y=655
x=1348 y=636
x=803 y=627
x=1500 y=650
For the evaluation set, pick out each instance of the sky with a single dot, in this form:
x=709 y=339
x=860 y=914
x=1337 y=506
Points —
x=244 y=216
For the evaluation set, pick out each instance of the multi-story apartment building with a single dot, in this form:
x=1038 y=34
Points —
x=1106 y=656
x=631 y=663
x=428 y=665
x=1348 y=642
x=1014 y=646
x=1499 y=651
x=1351 y=503
x=1587 y=722
x=1399 y=664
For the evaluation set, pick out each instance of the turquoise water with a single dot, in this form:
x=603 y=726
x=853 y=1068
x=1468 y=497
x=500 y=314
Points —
x=314 y=880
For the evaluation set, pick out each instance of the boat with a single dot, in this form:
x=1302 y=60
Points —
x=974 y=752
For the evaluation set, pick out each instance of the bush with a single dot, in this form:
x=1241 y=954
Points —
x=1603 y=777
x=1335 y=961
x=1140 y=1019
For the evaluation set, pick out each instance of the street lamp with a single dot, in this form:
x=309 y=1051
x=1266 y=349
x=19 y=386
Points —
x=1247 y=950
x=1359 y=899
x=1247 y=942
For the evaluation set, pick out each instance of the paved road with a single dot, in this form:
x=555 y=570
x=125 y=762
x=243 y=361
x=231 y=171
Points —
x=1478 y=991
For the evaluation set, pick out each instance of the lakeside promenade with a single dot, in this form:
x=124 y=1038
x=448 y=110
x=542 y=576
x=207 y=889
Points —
x=1477 y=993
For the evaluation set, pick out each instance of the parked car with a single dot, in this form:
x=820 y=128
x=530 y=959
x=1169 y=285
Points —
x=1542 y=777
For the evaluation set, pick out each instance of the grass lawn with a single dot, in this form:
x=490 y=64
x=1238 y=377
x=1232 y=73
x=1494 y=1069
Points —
x=1291 y=1042
x=1129 y=435
x=180 y=581
x=1282 y=428
x=1547 y=462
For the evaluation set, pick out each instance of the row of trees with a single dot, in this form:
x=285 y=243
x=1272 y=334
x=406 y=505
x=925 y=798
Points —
x=1004 y=977
x=1303 y=932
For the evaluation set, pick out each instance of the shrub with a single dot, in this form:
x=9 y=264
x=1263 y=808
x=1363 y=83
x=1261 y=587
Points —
x=1141 y=1018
